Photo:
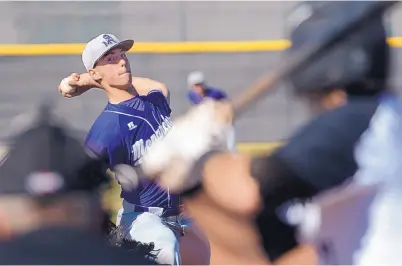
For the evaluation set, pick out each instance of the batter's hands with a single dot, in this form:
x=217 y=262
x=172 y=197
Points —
x=169 y=160
x=82 y=83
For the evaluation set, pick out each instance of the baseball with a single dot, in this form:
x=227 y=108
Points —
x=65 y=87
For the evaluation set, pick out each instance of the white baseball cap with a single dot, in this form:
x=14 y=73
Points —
x=196 y=77
x=99 y=46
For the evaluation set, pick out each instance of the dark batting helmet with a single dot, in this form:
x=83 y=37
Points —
x=359 y=64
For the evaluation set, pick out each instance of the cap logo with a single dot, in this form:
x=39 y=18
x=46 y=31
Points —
x=108 y=40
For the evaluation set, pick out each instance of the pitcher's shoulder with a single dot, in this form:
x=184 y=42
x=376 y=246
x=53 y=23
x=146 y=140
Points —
x=106 y=119
x=144 y=86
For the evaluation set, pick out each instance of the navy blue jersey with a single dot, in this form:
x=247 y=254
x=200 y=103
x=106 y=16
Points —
x=124 y=131
x=319 y=156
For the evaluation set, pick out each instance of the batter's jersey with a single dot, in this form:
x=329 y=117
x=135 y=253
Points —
x=124 y=131
x=319 y=156
x=361 y=223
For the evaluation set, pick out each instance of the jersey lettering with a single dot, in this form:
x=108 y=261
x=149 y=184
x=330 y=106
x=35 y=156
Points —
x=139 y=148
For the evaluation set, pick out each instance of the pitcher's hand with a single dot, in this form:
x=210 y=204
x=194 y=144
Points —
x=81 y=83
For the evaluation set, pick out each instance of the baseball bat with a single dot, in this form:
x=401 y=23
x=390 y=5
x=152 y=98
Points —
x=348 y=24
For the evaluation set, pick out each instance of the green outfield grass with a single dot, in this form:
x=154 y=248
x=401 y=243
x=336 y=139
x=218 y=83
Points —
x=112 y=197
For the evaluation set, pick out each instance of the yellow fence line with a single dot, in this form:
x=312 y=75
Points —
x=257 y=147
x=160 y=47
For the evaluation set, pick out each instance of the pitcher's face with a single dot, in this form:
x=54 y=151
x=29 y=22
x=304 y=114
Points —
x=114 y=69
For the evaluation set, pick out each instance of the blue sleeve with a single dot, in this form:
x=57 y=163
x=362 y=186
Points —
x=222 y=95
x=95 y=146
x=194 y=98
x=190 y=97
x=216 y=94
x=156 y=97
x=104 y=139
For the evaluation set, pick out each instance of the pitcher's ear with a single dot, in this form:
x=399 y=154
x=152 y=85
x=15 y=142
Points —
x=95 y=75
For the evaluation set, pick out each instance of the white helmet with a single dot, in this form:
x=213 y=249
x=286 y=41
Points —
x=195 y=77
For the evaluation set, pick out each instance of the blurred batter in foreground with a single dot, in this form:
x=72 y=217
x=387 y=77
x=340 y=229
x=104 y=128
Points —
x=256 y=204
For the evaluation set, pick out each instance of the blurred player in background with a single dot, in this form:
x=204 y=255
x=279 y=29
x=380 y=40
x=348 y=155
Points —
x=199 y=90
x=50 y=201
x=347 y=91
x=137 y=114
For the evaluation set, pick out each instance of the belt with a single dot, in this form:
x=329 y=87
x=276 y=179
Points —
x=165 y=212
x=162 y=212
